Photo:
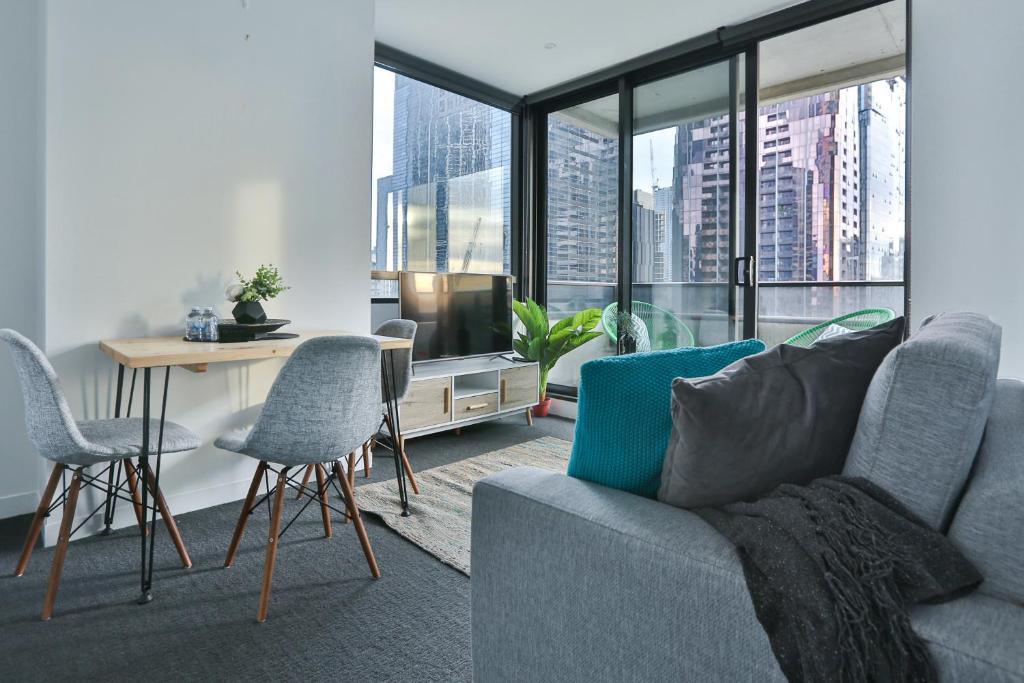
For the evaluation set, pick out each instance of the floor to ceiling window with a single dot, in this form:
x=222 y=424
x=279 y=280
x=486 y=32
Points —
x=683 y=213
x=441 y=181
x=736 y=224
x=832 y=187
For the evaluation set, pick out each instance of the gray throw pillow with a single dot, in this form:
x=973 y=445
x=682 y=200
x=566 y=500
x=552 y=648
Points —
x=786 y=415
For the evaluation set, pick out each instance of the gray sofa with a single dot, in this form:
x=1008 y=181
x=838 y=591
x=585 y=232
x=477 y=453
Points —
x=572 y=581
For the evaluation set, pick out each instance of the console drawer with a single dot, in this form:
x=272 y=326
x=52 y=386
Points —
x=474 y=406
x=428 y=403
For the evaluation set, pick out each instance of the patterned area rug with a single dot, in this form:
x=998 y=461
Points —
x=440 y=517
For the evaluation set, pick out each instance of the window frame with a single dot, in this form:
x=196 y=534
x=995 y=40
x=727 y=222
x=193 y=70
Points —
x=723 y=44
x=405 y=64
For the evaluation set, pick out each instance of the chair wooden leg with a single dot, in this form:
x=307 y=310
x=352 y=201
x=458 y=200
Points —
x=305 y=482
x=165 y=512
x=529 y=416
x=133 y=487
x=352 y=468
x=366 y=460
x=275 y=528
x=321 y=487
x=353 y=511
x=243 y=518
x=62 y=544
x=408 y=467
x=37 y=522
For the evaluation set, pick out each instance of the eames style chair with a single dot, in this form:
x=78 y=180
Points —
x=400 y=329
x=74 y=447
x=324 y=404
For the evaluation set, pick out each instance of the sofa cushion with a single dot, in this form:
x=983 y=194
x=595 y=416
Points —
x=989 y=523
x=624 y=414
x=973 y=638
x=783 y=416
x=924 y=413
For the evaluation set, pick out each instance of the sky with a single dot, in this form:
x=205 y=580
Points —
x=664 y=150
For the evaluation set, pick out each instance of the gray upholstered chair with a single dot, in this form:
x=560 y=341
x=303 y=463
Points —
x=324 y=404
x=402 y=358
x=75 y=446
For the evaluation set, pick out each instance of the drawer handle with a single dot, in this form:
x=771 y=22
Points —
x=475 y=406
x=504 y=389
x=447 y=400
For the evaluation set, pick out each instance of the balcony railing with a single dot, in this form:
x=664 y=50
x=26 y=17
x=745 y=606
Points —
x=785 y=308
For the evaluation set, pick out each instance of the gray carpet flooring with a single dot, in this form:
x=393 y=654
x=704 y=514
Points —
x=328 y=619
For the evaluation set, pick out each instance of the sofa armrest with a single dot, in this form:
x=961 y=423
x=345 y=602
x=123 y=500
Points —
x=575 y=581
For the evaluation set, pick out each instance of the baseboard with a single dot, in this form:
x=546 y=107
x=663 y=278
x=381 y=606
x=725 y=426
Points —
x=18 y=504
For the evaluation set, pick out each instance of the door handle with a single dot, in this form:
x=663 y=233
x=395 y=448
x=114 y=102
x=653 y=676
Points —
x=447 y=399
x=504 y=389
x=744 y=271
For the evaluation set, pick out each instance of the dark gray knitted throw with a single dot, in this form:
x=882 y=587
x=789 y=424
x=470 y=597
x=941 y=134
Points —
x=832 y=568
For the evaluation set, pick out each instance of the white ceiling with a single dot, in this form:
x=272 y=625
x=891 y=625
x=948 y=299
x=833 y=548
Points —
x=872 y=38
x=502 y=42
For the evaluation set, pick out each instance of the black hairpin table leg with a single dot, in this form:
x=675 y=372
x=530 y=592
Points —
x=387 y=371
x=148 y=540
x=108 y=511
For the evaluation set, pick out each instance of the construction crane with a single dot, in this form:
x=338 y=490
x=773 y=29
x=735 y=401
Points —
x=471 y=246
x=654 y=179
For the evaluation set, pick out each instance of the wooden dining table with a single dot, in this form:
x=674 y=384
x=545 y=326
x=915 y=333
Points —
x=147 y=353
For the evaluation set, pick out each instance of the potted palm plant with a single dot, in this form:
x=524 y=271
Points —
x=545 y=343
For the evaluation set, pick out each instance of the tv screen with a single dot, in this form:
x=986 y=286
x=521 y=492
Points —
x=458 y=314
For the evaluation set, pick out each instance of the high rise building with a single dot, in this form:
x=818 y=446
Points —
x=882 y=119
x=650 y=245
x=582 y=202
x=448 y=205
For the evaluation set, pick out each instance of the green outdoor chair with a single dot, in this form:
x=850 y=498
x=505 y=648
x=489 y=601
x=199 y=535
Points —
x=858 y=320
x=657 y=329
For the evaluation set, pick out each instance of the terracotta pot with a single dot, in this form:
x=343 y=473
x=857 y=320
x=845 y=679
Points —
x=541 y=409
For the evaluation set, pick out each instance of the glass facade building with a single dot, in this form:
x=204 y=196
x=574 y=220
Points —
x=445 y=205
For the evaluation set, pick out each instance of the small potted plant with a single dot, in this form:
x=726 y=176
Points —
x=247 y=294
x=546 y=343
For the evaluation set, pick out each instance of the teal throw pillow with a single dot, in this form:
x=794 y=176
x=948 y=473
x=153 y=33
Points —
x=624 y=416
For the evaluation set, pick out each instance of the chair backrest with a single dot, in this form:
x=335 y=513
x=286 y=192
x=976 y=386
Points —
x=325 y=402
x=665 y=330
x=858 y=320
x=654 y=329
x=51 y=427
x=402 y=329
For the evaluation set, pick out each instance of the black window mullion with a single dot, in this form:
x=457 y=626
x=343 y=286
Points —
x=750 y=218
x=625 y=249
x=734 y=182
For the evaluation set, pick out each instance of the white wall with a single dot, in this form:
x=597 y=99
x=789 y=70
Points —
x=967 y=165
x=22 y=25
x=187 y=139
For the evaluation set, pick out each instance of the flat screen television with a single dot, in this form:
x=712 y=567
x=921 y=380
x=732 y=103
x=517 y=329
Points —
x=458 y=314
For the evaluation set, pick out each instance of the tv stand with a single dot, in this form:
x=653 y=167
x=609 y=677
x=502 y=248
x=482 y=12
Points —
x=454 y=393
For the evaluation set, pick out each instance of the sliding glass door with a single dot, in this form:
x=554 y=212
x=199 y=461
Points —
x=686 y=209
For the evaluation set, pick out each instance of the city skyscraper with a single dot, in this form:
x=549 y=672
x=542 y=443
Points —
x=831 y=193
x=582 y=201
x=446 y=206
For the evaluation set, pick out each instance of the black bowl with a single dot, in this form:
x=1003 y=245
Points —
x=229 y=332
